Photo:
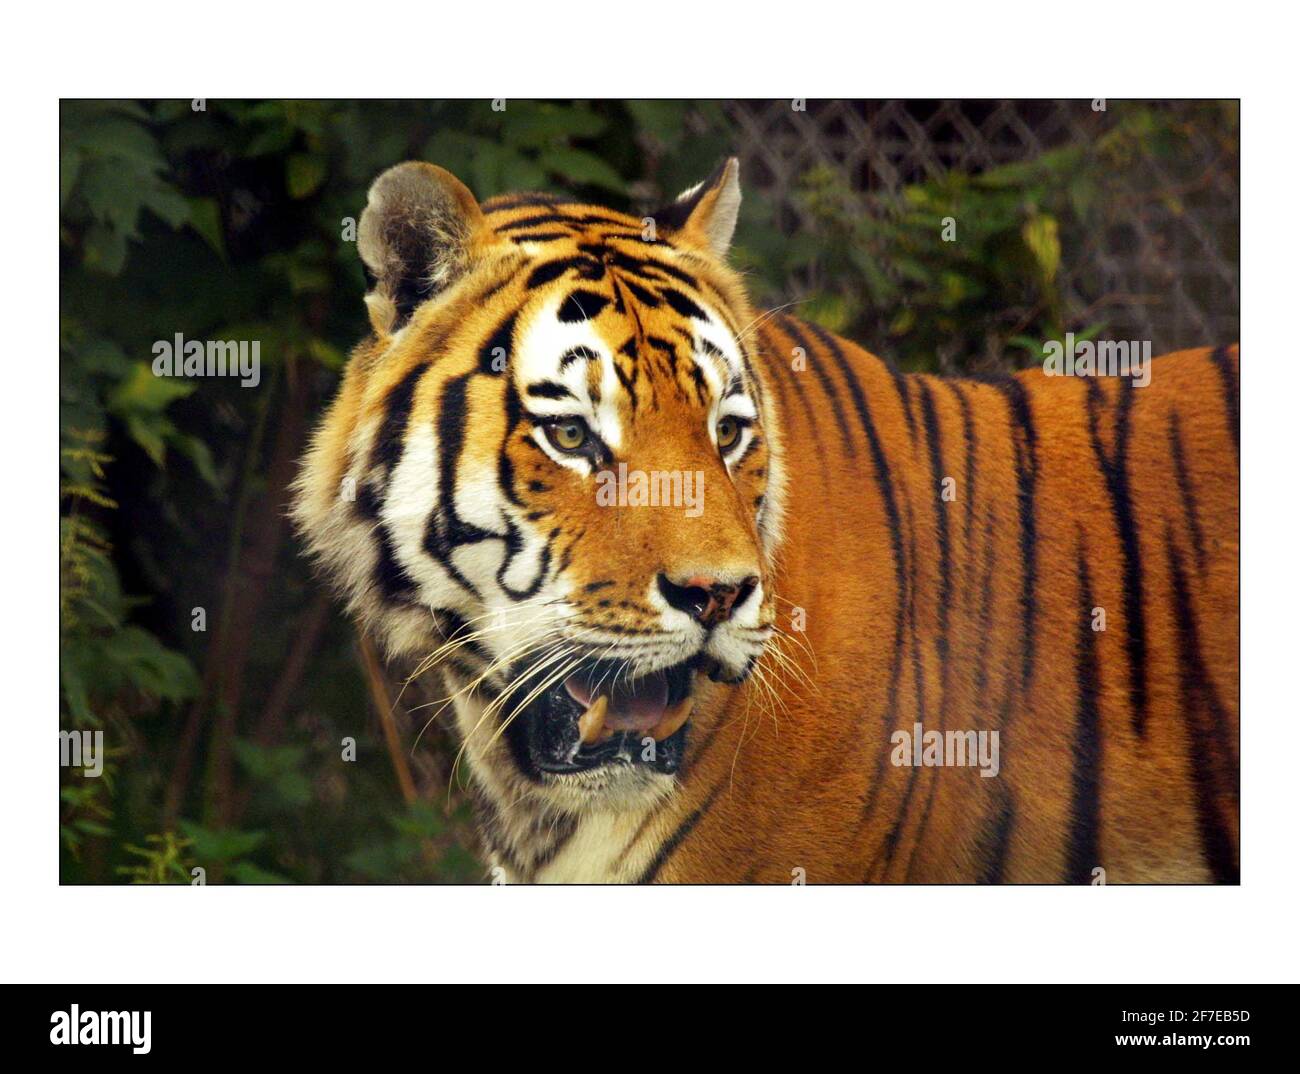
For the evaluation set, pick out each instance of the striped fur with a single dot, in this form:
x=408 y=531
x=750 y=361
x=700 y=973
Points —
x=1119 y=747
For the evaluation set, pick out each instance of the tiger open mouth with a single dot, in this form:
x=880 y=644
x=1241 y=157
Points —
x=597 y=716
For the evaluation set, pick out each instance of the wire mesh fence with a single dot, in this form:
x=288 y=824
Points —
x=1164 y=268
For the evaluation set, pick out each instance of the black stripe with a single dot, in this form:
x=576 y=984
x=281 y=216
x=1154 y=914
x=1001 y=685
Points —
x=1215 y=776
x=505 y=202
x=968 y=431
x=1186 y=491
x=1083 y=844
x=514 y=412
x=394 y=583
x=629 y=383
x=682 y=305
x=934 y=442
x=1231 y=399
x=675 y=840
x=581 y=305
x=1115 y=470
x=494 y=355
x=561 y=830
x=885 y=486
x=918 y=682
x=630 y=351
x=541 y=236
x=506 y=480
x=576 y=354
x=445 y=530
x=995 y=839
x=550 y=389
x=531 y=221
x=770 y=345
x=667 y=348
x=1025 y=439
x=514 y=545
x=390 y=576
x=901 y=383
x=986 y=608
x=391 y=440
x=589 y=217
x=453 y=628
x=550 y=271
x=647 y=268
x=487 y=820
x=756 y=382
x=828 y=386
x=494 y=288
x=643 y=295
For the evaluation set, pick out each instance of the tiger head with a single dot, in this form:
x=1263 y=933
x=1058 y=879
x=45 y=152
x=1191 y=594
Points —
x=551 y=473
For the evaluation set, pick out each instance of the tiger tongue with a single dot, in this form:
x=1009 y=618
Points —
x=638 y=709
x=637 y=706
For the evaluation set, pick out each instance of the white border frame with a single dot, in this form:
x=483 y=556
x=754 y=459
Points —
x=718 y=934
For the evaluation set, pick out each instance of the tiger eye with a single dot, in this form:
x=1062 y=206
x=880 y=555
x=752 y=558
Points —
x=568 y=435
x=728 y=433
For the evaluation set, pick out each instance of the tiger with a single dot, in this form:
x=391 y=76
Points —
x=714 y=595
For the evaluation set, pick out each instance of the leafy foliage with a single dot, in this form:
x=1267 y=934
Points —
x=963 y=271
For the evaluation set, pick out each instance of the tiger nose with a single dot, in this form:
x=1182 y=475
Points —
x=706 y=599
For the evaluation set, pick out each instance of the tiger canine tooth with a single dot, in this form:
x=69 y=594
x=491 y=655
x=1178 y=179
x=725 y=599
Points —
x=673 y=719
x=592 y=722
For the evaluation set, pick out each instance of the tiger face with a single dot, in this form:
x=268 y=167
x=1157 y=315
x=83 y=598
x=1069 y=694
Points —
x=552 y=477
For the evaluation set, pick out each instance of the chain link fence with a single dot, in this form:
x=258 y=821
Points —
x=1165 y=269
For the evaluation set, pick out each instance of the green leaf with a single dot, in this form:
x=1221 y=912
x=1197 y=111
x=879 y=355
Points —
x=220 y=845
x=75 y=693
x=665 y=120
x=579 y=166
x=275 y=138
x=199 y=454
x=142 y=391
x=1042 y=239
x=519 y=173
x=168 y=204
x=534 y=124
x=278 y=768
x=69 y=169
x=149 y=432
x=308 y=279
x=205 y=218
x=326 y=354
x=245 y=872
x=104 y=250
x=151 y=666
x=103 y=356
x=121 y=139
x=114 y=194
x=304 y=173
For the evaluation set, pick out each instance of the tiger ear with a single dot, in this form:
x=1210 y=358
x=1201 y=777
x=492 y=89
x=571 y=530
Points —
x=416 y=237
x=705 y=215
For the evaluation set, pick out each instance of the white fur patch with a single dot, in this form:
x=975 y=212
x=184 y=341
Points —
x=539 y=353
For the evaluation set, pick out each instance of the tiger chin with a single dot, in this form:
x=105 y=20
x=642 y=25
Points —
x=681 y=571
